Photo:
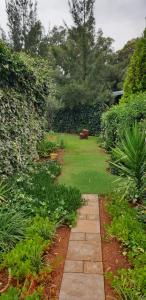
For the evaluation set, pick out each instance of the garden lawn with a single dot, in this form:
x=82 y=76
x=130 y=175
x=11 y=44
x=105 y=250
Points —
x=85 y=165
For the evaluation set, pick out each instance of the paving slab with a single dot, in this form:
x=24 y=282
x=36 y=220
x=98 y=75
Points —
x=93 y=267
x=82 y=287
x=74 y=266
x=92 y=217
x=93 y=237
x=77 y=236
x=87 y=226
x=88 y=210
x=84 y=250
x=83 y=273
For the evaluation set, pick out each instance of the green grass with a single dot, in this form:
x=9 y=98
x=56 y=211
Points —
x=85 y=165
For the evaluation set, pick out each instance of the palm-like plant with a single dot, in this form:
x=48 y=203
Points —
x=131 y=156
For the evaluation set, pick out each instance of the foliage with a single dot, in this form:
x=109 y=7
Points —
x=12 y=229
x=12 y=293
x=75 y=119
x=24 y=28
x=120 y=64
x=3 y=191
x=46 y=147
x=135 y=81
x=36 y=193
x=131 y=157
x=129 y=283
x=26 y=258
x=118 y=117
x=21 y=129
x=42 y=227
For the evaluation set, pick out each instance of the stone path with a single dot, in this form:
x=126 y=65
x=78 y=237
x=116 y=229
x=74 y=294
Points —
x=83 y=274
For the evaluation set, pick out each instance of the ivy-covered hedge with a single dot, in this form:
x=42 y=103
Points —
x=118 y=116
x=22 y=110
x=76 y=119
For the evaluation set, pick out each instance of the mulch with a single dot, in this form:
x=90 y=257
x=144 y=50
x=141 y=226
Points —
x=113 y=258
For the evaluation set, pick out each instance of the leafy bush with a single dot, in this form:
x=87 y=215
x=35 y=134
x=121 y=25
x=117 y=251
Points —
x=136 y=78
x=131 y=158
x=26 y=258
x=73 y=120
x=12 y=293
x=129 y=283
x=24 y=94
x=42 y=227
x=37 y=194
x=46 y=147
x=12 y=229
x=118 y=117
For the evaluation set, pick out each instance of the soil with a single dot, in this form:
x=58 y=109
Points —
x=112 y=250
x=56 y=256
x=60 y=153
x=5 y=279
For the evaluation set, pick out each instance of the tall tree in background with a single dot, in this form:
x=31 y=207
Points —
x=24 y=28
x=82 y=12
x=136 y=75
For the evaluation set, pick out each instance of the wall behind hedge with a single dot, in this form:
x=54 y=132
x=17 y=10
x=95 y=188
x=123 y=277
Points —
x=76 y=119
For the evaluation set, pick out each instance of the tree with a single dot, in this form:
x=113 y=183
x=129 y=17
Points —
x=24 y=28
x=3 y=35
x=84 y=21
x=136 y=75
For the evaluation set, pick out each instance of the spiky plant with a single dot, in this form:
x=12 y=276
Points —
x=131 y=157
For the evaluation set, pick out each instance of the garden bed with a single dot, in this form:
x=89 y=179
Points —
x=55 y=257
x=112 y=250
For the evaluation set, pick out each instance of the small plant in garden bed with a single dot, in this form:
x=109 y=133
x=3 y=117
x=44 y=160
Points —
x=26 y=258
x=46 y=147
x=131 y=161
x=130 y=284
x=36 y=193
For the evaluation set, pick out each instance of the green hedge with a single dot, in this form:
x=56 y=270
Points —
x=118 y=116
x=76 y=119
x=23 y=98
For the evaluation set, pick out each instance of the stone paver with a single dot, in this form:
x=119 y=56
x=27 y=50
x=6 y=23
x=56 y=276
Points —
x=93 y=267
x=83 y=273
x=84 y=250
x=74 y=266
x=82 y=287
x=93 y=237
x=87 y=226
x=77 y=236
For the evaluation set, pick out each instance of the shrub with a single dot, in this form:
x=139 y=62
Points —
x=129 y=283
x=36 y=193
x=12 y=229
x=131 y=157
x=46 y=147
x=26 y=258
x=73 y=120
x=135 y=81
x=12 y=293
x=118 y=117
x=26 y=87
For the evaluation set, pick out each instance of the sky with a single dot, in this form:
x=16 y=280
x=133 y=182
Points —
x=120 y=19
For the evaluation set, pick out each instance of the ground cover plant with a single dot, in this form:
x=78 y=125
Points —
x=35 y=206
x=129 y=283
